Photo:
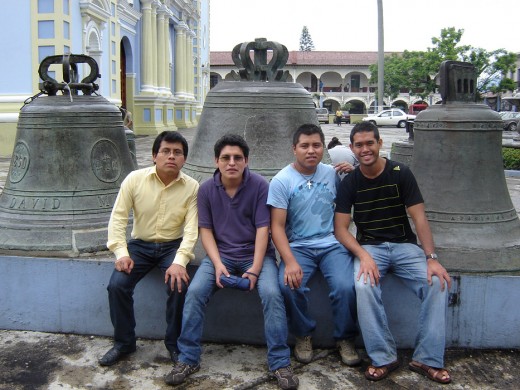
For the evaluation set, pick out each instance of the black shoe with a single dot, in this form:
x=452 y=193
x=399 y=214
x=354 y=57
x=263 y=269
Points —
x=113 y=356
x=174 y=356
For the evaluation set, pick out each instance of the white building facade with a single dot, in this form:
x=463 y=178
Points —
x=333 y=78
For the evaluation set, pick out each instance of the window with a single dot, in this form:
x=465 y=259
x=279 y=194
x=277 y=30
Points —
x=45 y=51
x=355 y=82
x=46 y=29
x=66 y=7
x=45 y=6
x=147 y=117
x=66 y=30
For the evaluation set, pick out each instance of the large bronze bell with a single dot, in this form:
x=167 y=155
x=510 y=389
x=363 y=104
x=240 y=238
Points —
x=262 y=107
x=457 y=160
x=69 y=159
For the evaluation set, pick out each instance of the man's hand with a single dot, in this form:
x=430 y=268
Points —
x=344 y=167
x=368 y=269
x=252 y=274
x=219 y=270
x=176 y=274
x=293 y=275
x=436 y=268
x=124 y=264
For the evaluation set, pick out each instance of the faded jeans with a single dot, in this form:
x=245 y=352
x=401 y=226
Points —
x=407 y=262
x=203 y=286
x=336 y=265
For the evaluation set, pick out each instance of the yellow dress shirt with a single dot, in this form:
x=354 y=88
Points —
x=161 y=213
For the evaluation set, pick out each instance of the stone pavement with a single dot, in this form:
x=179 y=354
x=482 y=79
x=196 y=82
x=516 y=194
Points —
x=35 y=360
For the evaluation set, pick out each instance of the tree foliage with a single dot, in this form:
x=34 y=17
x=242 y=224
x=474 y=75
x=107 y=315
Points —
x=415 y=71
x=306 y=43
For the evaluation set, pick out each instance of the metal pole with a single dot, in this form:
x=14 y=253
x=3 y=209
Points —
x=380 y=56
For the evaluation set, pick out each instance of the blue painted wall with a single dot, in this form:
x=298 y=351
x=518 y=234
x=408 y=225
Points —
x=16 y=53
x=69 y=295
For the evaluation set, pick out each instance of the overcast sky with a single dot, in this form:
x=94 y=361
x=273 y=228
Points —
x=351 y=25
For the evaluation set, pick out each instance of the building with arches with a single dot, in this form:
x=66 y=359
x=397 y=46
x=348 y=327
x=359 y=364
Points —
x=334 y=79
x=153 y=56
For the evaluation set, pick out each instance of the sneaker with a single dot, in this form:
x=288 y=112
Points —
x=348 y=352
x=303 y=349
x=286 y=378
x=180 y=372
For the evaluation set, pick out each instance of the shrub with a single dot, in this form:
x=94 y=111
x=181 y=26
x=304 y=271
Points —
x=511 y=158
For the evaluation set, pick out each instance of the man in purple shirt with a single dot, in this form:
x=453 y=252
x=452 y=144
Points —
x=234 y=228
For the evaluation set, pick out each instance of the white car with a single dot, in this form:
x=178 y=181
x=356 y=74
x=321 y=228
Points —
x=392 y=117
x=323 y=115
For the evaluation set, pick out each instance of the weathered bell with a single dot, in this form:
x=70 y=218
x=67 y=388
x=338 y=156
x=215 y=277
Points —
x=457 y=160
x=262 y=107
x=69 y=159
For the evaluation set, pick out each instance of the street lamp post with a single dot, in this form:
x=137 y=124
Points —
x=380 y=55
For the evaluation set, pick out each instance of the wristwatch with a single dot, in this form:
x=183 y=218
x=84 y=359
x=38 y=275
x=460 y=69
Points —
x=432 y=256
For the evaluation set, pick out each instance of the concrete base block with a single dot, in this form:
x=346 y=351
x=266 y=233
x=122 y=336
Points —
x=69 y=296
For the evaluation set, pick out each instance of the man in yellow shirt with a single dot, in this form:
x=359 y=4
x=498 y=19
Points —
x=339 y=116
x=164 y=204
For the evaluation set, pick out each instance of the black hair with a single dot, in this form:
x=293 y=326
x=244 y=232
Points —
x=334 y=142
x=364 y=127
x=308 y=129
x=231 y=140
x=172 y=137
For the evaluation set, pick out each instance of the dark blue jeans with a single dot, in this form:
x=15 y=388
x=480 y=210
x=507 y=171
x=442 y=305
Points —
x=146 y=256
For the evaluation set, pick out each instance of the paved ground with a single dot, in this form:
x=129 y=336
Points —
x=34 y=360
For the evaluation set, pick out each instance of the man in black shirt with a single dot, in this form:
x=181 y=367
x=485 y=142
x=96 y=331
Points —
x=381 y=192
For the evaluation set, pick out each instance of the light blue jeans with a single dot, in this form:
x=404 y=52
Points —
x=406 y=261
x=336 y=265
x=203 y=286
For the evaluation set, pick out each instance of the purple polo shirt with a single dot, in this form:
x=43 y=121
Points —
x=234 y=220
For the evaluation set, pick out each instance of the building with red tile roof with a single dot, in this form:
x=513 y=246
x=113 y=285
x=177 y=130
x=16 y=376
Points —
x=335 y=78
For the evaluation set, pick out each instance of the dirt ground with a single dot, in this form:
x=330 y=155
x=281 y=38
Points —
x=38 y=361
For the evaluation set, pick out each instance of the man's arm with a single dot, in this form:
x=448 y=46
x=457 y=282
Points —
x=293 y=273
x=368 y=267
x=210 y=246
x=261 y=240
x=422 y=227
x=177 y=273
x=344 y=167
x=117 y=230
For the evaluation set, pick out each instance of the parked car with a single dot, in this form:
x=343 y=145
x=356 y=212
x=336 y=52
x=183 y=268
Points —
x=510 y=120
x=392 y=117
x=323 y=115
x=346 y=117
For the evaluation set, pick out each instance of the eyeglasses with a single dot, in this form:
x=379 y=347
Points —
x=226 y=158
x=168 y=152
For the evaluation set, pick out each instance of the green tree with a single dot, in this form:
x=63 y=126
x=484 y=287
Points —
x=306 y=43
x=493 y=68
x=415 y=71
